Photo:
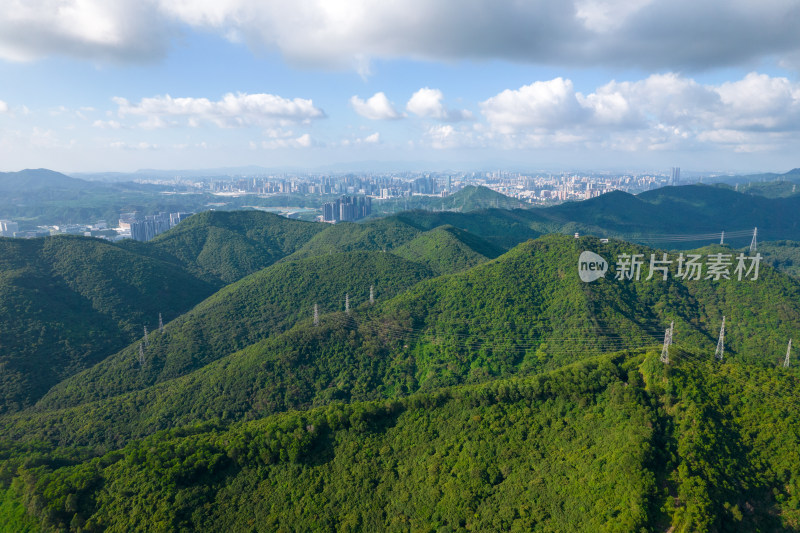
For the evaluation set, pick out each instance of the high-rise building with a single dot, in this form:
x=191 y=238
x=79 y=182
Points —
x=152 y=225
x=347 y=209
x=176 y=218
x=676 y=176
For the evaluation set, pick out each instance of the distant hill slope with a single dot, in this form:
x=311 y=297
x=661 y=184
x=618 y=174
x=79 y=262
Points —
x=67 y=302
x=255 y=308
x=681 y=212
x=37 y=179
x=499 y=227
x=525 y=312
x=447 y=249
x=791 y=175
x=374 y=235
x=90 y=312
x=782 y=255
x=469 y=198
x=225 y=246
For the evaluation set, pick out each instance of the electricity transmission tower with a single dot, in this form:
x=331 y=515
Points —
x=371 y=294
x=665 y=349
x=160 y=324
x=721 y=342
x=754 y=242
x=788 y=352
x=146 y=340
x=347 y=303
x=722 y=238
x=316 y=315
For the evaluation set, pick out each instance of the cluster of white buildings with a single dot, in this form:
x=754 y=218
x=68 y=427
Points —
x=8 y=228
x=550 y=189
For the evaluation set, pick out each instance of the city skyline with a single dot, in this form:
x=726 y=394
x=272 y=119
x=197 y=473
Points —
x=167 y=84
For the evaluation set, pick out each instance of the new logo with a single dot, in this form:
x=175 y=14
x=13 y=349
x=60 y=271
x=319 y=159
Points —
x=591 y=266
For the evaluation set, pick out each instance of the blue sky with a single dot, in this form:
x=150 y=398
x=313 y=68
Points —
x=91 y=85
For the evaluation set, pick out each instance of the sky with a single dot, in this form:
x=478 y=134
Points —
x=101 y=85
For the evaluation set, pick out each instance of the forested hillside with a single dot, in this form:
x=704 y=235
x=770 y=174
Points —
x=618 y=443
x=68 y=302
x=260 y=305
x=523 y=313
x=484 y=386
x=682 y=211
x=447 y=249
x=225 y=246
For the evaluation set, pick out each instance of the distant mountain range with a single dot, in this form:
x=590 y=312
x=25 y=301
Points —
x=38 y=179
x=687 y=210
x=792 y=175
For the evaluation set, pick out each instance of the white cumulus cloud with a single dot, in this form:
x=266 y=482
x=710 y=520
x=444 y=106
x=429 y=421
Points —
x=303 y=141
x=233 y=110
x=760 y=102
x=540 y=105
x=663 y=111
x=142 y=145
x=107 y=124
x=427 y=103
x=3 y=107
x=446 y=136
x=377 y=107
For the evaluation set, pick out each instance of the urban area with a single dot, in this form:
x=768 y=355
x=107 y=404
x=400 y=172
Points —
x=350 y=197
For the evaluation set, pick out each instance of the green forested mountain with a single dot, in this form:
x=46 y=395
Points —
x=487 y=387
x=782 y=255
x=68 y=302
x=764 y=177
x=376 y=235
x=772 y=189
x=243 y=313
x=615 y=443
x=447 y=249
x=686 y=210
x=500 y=227
x=523 y=313
x=225 y=246
x=470 y=198
x=39 y=179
